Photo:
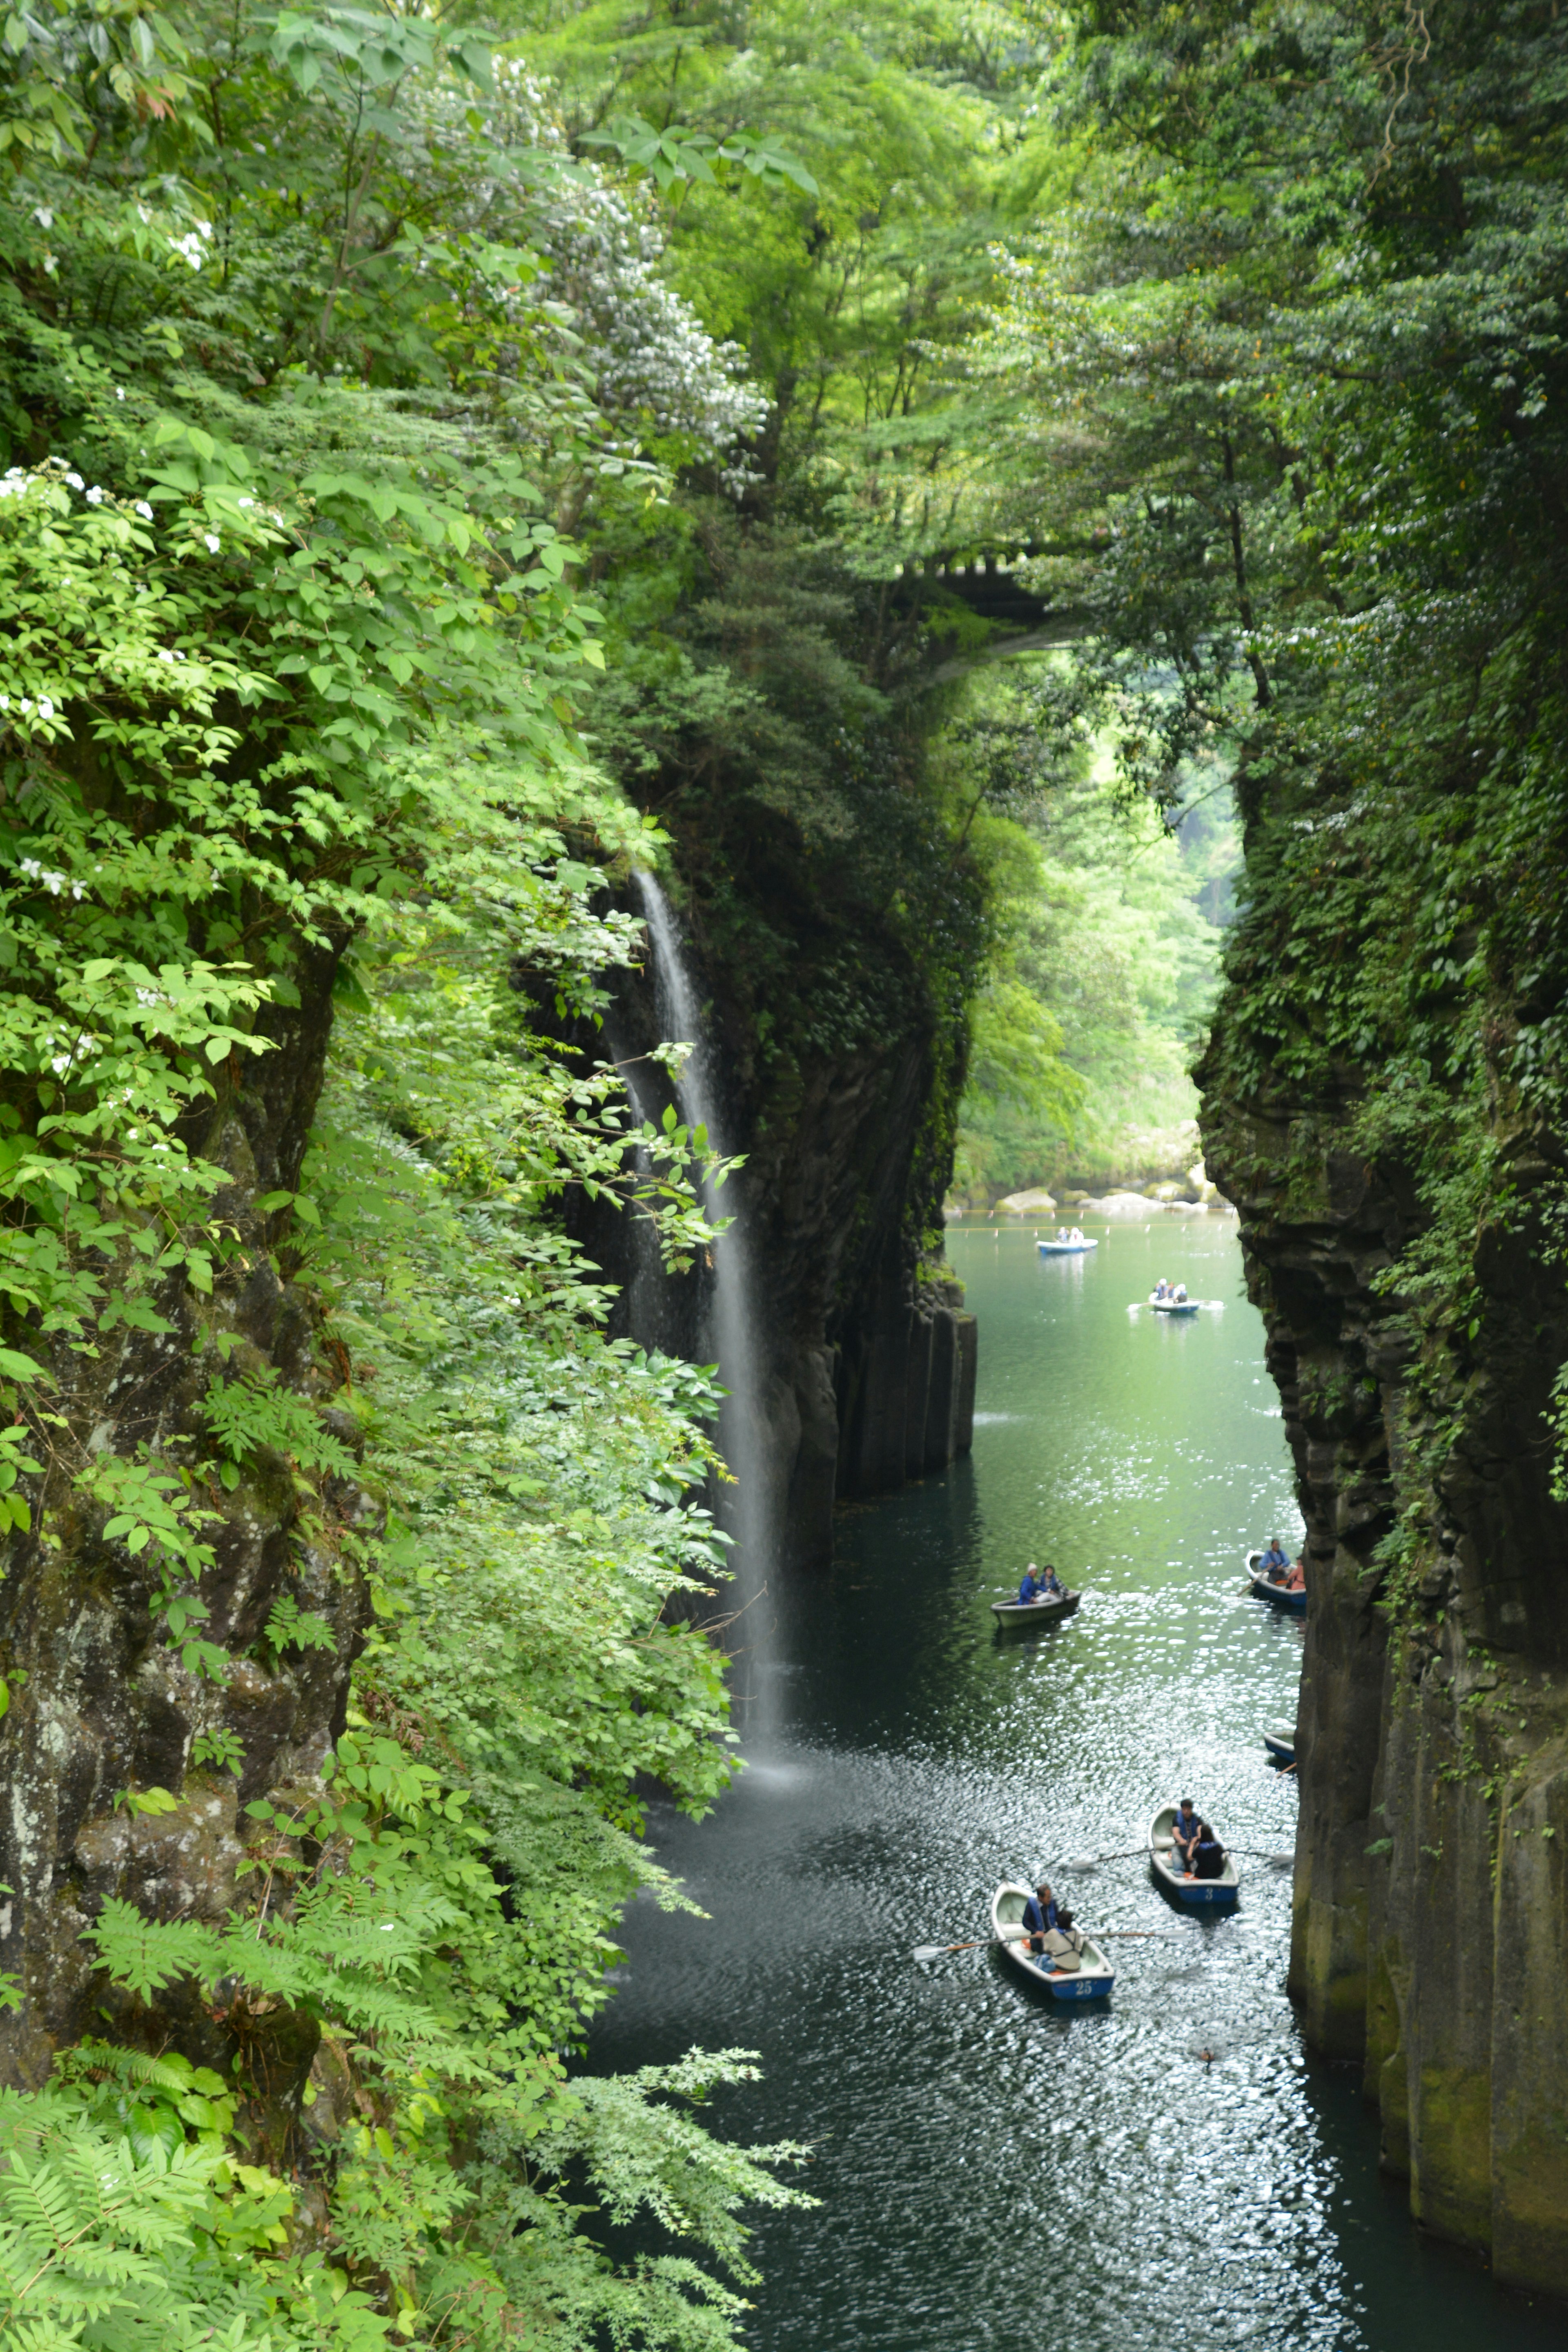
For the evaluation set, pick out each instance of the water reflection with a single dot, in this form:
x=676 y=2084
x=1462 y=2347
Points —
x=1172 y=2170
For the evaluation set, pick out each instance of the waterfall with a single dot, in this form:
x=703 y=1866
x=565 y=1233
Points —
x=731 y=1323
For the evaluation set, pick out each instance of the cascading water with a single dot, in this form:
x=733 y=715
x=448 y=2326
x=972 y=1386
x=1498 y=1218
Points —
x=744 y=1509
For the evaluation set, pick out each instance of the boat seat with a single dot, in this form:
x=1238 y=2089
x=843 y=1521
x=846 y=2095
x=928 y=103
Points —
x=1161 y=1845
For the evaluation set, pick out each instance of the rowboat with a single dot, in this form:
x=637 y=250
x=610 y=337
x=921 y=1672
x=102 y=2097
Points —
x=1174 y=1306
x=1087 y=1976
x=1293 y=1603
x=1033 y=1613
x=1065 y=1249
x=1193 y=1894
x=1279 y=1739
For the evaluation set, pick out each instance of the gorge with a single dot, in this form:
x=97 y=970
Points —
x=968 y=565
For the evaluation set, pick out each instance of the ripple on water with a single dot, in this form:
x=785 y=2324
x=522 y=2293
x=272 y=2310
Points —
x=1170 y=2172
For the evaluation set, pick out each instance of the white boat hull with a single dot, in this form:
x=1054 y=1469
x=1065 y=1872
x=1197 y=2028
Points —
x=1035 y=1612
x=1065 y=1249
x=1221 y=1894
x=1092 y=1978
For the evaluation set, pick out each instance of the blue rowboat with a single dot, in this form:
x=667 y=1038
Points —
x=1220 y=1894
x=1029 y=1615
x=1174 y=1306
x=1075 y=1976
x=1293 y=1603
x=1279 y=1739
x=1065 y=1249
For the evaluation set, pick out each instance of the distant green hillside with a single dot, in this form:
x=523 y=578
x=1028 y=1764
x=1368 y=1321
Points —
x=1117 y=945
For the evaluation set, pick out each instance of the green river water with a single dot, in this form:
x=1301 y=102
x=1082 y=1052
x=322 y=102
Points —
x=992 y=2167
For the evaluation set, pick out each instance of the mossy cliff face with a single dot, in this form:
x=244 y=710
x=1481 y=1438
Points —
x=1431 y=1909
x=101 y=1701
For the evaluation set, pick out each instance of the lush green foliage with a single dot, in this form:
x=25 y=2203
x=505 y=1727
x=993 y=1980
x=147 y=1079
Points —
x=1291 y=371
x=1114 y=940
x=288 y=645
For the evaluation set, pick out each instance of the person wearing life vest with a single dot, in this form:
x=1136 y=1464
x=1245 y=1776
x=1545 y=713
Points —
x=1273 y=1563
x=1297 y=1580
x=1184 y=1833
x=1051 y=1587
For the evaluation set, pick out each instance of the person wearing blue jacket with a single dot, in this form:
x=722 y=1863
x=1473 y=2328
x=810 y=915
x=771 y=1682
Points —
x=1041 y=1914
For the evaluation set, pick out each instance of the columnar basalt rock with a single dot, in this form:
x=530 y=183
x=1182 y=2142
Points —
x=1431 y=1905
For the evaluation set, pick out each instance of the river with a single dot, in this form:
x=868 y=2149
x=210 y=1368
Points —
x=1173 y=2170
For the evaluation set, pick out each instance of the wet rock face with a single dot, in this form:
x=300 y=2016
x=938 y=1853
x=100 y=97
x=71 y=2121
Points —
x=867 y=1356
x=101 y=1701
x=1431 y=1903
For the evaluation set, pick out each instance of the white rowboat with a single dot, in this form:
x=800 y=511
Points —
x=1065 y=1249
x=1035 y=1612
x=1192 y=1893
x=1090 y=1977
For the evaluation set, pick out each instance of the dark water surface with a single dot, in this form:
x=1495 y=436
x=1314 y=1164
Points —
x=993 y=2169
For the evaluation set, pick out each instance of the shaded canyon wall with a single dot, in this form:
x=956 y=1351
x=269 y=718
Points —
x=1431 y=1897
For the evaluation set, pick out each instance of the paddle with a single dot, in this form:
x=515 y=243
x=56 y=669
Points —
x=1084 y=1863
x=1101 y=1936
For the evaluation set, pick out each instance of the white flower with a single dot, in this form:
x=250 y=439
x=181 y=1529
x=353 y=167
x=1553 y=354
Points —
x=75 y=480
x=5 y=702
x=43 y=215
x=95 y=496
x=144 y=509
x=119 y=391
x=245 y=502
x=213 y=540
x=46 y=708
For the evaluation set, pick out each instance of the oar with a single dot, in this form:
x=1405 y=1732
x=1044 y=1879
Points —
x=935 y=1951
x=1101 y=1936
x=1084 y=1863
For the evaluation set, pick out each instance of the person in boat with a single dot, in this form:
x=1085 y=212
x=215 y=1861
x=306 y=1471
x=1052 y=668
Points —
x=1184 y=1831
x=1033 y=1588
x=1297 y=1580
x=1162 y=1288
x=1041 y=1916
x=1051 y=1586
x=1273 y=1562
x=1075 y=1235
x=1179 y=1293
x=1207 y=1857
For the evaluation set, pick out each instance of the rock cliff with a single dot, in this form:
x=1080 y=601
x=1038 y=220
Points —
x=1431 y=1897
x=867 y=1355
x=103 y=1702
